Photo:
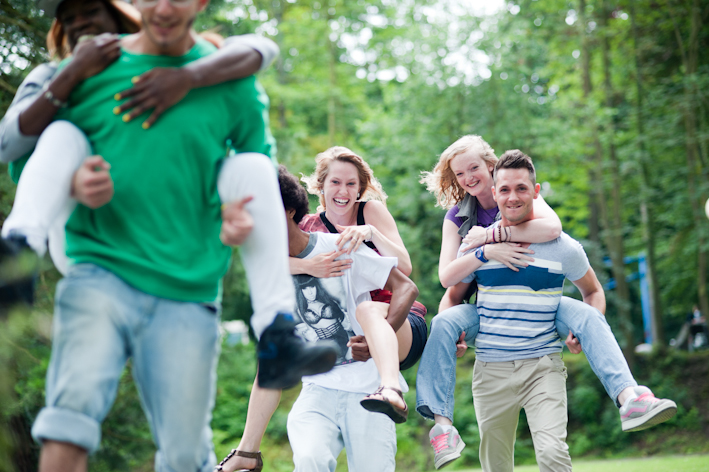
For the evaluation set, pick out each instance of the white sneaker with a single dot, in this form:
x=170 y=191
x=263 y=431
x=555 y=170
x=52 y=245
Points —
x=645 y=411
x=446 y=445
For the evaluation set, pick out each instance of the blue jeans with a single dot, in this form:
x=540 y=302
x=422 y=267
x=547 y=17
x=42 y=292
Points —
x=100 y=322
x=435 y=380
x=323 y=421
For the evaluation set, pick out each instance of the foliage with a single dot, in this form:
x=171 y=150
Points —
x=398 y=81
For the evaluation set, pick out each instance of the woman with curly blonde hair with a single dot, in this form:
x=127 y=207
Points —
x=462 y=181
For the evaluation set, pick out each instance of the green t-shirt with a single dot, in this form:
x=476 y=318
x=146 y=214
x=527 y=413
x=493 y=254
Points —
x=160 y=232
x=16 y=167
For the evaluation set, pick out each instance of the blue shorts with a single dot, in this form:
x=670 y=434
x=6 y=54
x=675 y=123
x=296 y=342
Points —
x=419 y=335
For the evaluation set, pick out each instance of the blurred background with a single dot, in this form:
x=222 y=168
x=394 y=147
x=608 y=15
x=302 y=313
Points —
x=609 y=97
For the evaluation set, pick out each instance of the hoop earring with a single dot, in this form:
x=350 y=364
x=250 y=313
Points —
x=322 y=192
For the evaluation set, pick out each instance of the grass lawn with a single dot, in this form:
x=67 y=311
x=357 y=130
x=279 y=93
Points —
x=651 y=464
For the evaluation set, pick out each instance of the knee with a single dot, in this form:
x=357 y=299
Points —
x=63 y=128
x=247 y=174
x=69 y=139
x=313 y=460
x=367 y=312
x=553 y=455
x=254 y=164
x=443 y=327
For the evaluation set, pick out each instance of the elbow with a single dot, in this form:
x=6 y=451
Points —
x=442 y=277
x=555 y=232
x=406 y=268
x=414 y=291
x=273 y=47
x=446 y=281
x=410 y=291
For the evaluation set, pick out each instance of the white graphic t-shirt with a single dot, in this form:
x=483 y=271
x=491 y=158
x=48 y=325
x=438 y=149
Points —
x=325 y=309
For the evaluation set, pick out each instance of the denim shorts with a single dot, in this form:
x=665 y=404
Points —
x=419 y=335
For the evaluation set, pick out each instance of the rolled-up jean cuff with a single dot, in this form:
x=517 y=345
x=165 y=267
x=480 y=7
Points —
x=426 y=411
x=61 y=424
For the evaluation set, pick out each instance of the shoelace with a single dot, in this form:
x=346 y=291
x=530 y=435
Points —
x=647 y=396
x=636 y=405
x=440 y=442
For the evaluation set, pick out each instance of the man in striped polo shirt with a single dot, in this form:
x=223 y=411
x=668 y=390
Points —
x=518 y=363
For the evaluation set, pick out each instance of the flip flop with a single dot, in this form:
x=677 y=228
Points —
x=398 y=415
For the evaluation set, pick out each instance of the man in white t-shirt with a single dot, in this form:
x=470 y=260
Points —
x=327 y=415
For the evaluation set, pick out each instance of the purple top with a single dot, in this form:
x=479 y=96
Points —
x=485 y=217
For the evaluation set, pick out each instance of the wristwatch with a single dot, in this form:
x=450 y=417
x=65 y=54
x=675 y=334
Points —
x=480 y=254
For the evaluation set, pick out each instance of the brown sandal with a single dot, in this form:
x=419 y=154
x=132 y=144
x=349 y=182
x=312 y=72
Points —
x=249 y=455
x=398 y=415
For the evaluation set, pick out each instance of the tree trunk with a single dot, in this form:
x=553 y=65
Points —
x=646 y=205
x=594 y=233
x=696 y=198
x=331 y=102
x=613 y=226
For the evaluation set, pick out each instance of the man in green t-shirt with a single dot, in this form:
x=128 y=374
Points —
x=144 y=280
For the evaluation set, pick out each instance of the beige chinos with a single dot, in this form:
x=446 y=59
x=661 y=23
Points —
x=500 y=390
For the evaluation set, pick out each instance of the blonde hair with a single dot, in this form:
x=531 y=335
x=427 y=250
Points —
x=127 y=20
x=442 y=182
x=369 y=186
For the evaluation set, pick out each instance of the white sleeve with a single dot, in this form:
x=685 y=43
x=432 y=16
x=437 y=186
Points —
x=14 y=144
x=370 y=271
x=264 y=46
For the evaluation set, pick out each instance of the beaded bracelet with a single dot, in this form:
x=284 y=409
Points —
x=49 y=96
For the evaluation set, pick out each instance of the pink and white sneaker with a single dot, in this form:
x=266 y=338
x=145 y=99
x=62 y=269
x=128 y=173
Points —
x=446 y=445
x=645 y=411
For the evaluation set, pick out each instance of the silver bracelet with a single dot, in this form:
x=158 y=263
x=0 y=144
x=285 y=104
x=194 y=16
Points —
x=49 y=96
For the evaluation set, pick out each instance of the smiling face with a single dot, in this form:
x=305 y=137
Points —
x=85 y=17
x=167 y=25
x=473 y=174
x=514 y=193
x=341 y=187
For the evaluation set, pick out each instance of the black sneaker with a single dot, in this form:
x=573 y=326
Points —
x=284 y=357
x=19 y=265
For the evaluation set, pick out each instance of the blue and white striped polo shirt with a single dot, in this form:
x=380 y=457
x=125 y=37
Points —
x=517 y=309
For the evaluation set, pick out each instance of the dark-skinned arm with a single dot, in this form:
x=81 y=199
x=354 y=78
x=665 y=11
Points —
x=403 y=294
x=161 y=88
x=89 y=58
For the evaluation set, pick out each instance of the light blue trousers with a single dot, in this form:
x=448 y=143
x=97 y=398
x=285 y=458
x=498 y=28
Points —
x=100 y=322
x=323 y=421
x=435 y=381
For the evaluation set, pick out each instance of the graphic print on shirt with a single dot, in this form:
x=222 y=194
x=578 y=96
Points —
x=321 y=312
